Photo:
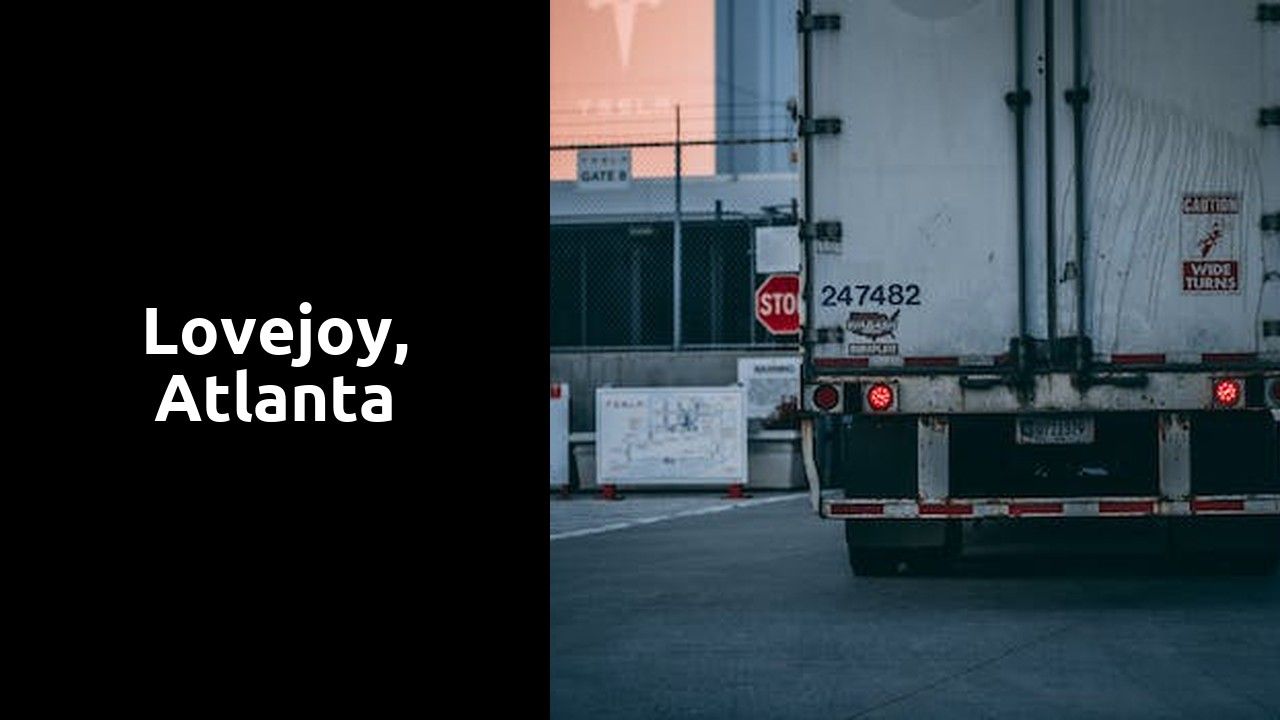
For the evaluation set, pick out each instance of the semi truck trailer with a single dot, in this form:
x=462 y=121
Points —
x=1041 y=270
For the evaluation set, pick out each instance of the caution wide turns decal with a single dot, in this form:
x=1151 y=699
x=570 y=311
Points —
x=1210 y=243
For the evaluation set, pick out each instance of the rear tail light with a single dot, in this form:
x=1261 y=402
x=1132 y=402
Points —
x=880 y=397
x=826 y=397
x=1227 y=392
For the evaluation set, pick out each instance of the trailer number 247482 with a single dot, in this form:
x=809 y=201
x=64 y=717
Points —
x=879 y=294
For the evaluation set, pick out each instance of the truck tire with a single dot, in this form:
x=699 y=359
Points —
x=878 y=561
x=1206 y=563
x=1261 y=564
x=865 y=562
x=1194 y=545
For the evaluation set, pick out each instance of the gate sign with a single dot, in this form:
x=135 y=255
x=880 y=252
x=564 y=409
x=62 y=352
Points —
x=778 y=304
x=1210 y=248
x=608 y=168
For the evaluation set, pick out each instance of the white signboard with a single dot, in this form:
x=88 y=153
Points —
x=769 y=381
x=559 y=434
x=609 y=168
x=777 y=249
x=671 y=436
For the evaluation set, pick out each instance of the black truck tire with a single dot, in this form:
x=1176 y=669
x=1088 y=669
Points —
x=1194 y=545
x=866 y=562
x=888 y=559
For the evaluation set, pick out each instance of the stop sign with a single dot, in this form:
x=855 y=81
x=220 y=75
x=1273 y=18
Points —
x=778 y=304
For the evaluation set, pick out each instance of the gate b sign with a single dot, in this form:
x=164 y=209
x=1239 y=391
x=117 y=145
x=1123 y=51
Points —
x=778 y=304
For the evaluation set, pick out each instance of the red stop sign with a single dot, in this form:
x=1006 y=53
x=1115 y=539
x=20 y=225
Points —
x=778 y=304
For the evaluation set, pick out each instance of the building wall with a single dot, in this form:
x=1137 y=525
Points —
x=756 y=74
x=655 y=197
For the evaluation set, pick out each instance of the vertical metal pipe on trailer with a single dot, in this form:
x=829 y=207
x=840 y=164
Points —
x=1077 y=97
x=806 y=91
x=1050 y=174
x=1018 y=101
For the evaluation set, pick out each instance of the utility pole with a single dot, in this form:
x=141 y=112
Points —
x=676 y=245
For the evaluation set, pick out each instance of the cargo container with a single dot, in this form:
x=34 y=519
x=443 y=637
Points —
x=1042 y=269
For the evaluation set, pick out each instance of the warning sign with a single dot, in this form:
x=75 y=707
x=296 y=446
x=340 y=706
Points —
x=1209 y=243
x=1223 y=276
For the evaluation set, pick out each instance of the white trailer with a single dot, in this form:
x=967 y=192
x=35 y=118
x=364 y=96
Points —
x=1041 y=267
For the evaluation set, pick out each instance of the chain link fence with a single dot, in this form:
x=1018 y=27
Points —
x=620 y=216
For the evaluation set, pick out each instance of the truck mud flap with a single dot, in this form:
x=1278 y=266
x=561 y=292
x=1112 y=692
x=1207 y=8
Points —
x=1235 y=453
x=878 y=457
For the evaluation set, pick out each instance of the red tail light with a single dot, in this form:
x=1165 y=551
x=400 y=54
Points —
x=826 y=397
x=1227 y=392
x=880 y=397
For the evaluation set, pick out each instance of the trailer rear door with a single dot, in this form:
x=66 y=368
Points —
x=1178 y=171
x=921 y=178
x=1178 y=174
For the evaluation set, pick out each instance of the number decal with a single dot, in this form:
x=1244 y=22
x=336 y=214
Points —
x=893 y=294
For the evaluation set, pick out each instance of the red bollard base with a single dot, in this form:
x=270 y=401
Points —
x=609 y=492
x=736 y=492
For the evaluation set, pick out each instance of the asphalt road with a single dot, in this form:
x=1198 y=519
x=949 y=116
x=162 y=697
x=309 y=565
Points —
x=667 y=607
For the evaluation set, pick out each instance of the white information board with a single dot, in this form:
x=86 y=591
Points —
x=559 y=434
x=777 y=249
x=608 y=168
x=769 y=381
x=671 y=436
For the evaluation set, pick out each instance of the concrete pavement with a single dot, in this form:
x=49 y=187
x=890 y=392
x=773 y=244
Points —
x=753 y=613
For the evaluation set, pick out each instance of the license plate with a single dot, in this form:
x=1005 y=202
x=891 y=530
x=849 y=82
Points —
x=1061 y=430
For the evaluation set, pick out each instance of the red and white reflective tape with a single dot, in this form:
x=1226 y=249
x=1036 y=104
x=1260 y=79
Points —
x=912 y=361
x=932 y=361
x=1178 y=358
x=860 y=362
x=1136 y=359
x=1227 y=358
x=853 y=509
